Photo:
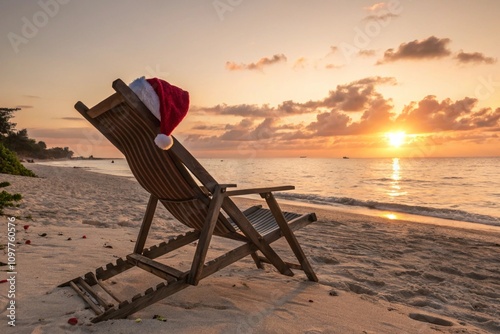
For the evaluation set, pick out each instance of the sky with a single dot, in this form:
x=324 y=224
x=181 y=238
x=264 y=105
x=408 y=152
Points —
x=282 y=78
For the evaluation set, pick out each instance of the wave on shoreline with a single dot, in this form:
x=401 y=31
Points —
x=443 y=213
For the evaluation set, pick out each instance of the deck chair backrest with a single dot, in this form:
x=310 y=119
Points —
x=127 y=123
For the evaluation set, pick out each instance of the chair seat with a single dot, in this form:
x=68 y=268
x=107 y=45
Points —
x=263 y=220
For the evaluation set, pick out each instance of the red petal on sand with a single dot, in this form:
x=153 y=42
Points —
x=84 y=237
x=72 y=321
x=26 y=227
x=3 y=281
x=28 y=242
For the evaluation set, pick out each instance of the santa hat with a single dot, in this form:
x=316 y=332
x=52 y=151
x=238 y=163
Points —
x=167 y=102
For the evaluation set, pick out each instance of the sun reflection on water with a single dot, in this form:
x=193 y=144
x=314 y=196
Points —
x=391 y=216
x=395 y=187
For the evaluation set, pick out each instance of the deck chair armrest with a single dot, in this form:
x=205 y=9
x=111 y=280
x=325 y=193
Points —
x=227 y=185
x=258 y=190
x=222 y=186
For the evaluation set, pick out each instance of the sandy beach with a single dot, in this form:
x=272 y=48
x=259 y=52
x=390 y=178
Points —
x=375 y=275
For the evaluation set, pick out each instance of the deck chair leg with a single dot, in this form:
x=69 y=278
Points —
x=290 y=236
x=205 y=236
x=257 y=260
x=146 y=224
x=249 y=231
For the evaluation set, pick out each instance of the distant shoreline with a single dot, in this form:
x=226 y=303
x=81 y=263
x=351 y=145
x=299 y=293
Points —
x=356 y=210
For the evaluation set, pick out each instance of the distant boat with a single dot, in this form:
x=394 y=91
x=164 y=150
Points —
x=345 y=157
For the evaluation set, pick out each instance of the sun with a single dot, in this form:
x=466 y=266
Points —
x=396 y=139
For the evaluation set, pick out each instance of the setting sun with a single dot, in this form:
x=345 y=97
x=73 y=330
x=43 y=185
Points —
x=396 y=139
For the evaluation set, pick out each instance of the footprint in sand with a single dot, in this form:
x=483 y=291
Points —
x=424 y=303
x=476 y=276
x=360 y=290
x=325 y=260
x=430 y=319
x=433 y=278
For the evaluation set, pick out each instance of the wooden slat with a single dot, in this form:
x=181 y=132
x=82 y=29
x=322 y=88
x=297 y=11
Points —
x=252 y=209
x=108 y=291
x=112 y=269
x=159 y=269
x=143 y=301
x=172 y=244
x=94 y=294
x=105 y=105
x=92 y=305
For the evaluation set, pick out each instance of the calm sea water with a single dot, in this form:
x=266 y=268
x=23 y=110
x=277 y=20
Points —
x=463 y=189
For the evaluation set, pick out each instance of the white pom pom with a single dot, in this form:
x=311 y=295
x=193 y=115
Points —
x=163 y=141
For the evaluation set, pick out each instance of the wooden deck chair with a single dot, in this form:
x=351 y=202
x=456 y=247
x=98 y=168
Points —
x=206 y=207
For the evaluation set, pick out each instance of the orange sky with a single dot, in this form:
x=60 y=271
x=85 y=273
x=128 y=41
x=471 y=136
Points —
x=287 y=78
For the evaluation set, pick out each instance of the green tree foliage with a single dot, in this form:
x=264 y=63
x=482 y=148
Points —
x=19 y=142
x=6 y=127
x=10 y=164
x=7 y=199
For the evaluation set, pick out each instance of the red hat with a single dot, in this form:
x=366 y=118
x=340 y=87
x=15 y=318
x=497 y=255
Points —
x=174 y=105
x=168 y=103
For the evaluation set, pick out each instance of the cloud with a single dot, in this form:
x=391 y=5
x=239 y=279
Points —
x=351 y=97
x=333 y=50
x=249 y=130
x=366 y=53
x=359 y=96
x=288 y=108
x=238 y=132
x=375 y=7
x=474 y=57
x=277 y=58
x=333 y=66
x=205 y=127
x=24 y=106
x=300 y=63
x=350 y=114
x=333 y=123
x=32 y=96
x=243 y=110
x=429 y=48
x=431 y=115
x=386 y=16
x=332 y=117
x=382 y=12
x=356 y=95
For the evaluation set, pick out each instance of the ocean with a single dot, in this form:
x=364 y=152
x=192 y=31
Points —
x=458 y=189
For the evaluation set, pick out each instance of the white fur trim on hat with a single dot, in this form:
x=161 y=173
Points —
x=163 y=141
x=147 y=95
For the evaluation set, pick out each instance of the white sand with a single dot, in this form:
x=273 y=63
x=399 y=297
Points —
x=374 y=273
